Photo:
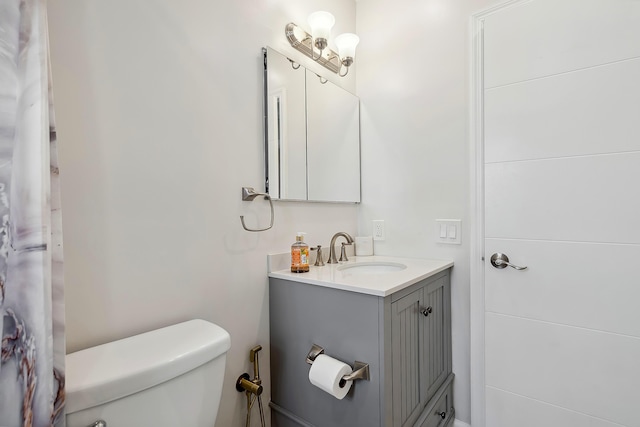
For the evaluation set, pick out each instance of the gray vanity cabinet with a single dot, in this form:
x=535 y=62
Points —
x=405 y=338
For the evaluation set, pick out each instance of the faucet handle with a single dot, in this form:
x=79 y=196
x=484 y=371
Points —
x=343 y=252
x=319 y=260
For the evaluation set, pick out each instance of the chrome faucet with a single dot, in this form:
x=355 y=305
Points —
x=332 y=251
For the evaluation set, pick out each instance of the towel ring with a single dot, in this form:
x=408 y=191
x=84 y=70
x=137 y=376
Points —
x=248 y=194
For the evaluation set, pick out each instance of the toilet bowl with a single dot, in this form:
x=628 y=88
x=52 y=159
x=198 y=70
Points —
x=164 y=378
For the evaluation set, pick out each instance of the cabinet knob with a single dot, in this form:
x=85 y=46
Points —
x=442 y=414
x=426 y=311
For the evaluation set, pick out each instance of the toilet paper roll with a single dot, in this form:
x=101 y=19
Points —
x=326 y=373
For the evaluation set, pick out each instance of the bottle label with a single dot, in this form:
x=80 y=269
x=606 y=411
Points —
x=299 y=257
x=296 y=257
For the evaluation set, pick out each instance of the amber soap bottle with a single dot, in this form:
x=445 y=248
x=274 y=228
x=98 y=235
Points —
x=299 y=255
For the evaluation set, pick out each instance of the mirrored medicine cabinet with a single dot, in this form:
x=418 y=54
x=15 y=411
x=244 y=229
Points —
x=312 y=135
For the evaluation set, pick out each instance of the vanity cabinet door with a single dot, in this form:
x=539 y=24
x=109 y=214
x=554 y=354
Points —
x=420 y=349
x=407 y=343
x=436 y=335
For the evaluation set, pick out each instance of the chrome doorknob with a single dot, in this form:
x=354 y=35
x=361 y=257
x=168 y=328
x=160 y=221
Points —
x=500 y=261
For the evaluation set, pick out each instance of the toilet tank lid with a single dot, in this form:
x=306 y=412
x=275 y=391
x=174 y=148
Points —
x=117 y=369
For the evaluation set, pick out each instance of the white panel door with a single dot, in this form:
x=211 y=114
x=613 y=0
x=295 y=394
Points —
x=562 y=197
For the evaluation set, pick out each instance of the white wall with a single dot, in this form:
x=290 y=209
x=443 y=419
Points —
x=413 y=81
x=159 y=112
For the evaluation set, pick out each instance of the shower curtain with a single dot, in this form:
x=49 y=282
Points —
x=31 y=280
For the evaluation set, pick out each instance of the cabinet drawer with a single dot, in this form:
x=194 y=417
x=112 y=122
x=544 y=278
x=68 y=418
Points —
x=441 y=414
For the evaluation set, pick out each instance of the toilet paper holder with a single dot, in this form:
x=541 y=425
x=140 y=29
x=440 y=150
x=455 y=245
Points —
x=360 y=369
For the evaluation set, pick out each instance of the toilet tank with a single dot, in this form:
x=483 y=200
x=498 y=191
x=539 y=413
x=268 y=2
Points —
x=167 y=377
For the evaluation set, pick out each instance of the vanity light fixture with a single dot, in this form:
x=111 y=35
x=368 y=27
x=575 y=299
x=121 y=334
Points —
x=315 y=45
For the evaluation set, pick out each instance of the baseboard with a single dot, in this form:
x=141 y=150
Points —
x=458 y=423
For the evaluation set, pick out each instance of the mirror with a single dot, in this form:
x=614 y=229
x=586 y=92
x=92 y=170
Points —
x=312 y=135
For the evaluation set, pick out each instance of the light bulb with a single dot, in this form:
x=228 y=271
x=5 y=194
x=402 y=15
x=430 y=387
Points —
x=346 y=44
x=321 y=23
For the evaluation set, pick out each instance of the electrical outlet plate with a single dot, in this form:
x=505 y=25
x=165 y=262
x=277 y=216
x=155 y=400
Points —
x=448 y=231
x=378 y=229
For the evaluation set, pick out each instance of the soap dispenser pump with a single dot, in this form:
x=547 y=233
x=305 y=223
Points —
x=299 y=255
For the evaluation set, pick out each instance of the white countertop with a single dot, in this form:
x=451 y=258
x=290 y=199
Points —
x=380 y=284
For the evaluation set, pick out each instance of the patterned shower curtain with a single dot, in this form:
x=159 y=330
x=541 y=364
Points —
x=31 y=280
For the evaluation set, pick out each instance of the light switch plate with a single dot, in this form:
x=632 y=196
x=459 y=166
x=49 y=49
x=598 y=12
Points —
x=448 y=231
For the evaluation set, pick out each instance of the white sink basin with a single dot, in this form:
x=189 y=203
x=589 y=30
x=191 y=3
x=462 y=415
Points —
x=372 y=267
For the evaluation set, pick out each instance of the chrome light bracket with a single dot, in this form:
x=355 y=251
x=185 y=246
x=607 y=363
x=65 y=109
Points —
x=328 y=59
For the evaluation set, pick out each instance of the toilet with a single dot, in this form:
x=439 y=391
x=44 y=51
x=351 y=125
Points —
x=164 y=378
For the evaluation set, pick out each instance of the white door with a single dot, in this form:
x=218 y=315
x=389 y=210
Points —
x=562 y=197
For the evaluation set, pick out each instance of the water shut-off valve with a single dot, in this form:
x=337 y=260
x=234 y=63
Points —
x=252 y=387
x=245 y=383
